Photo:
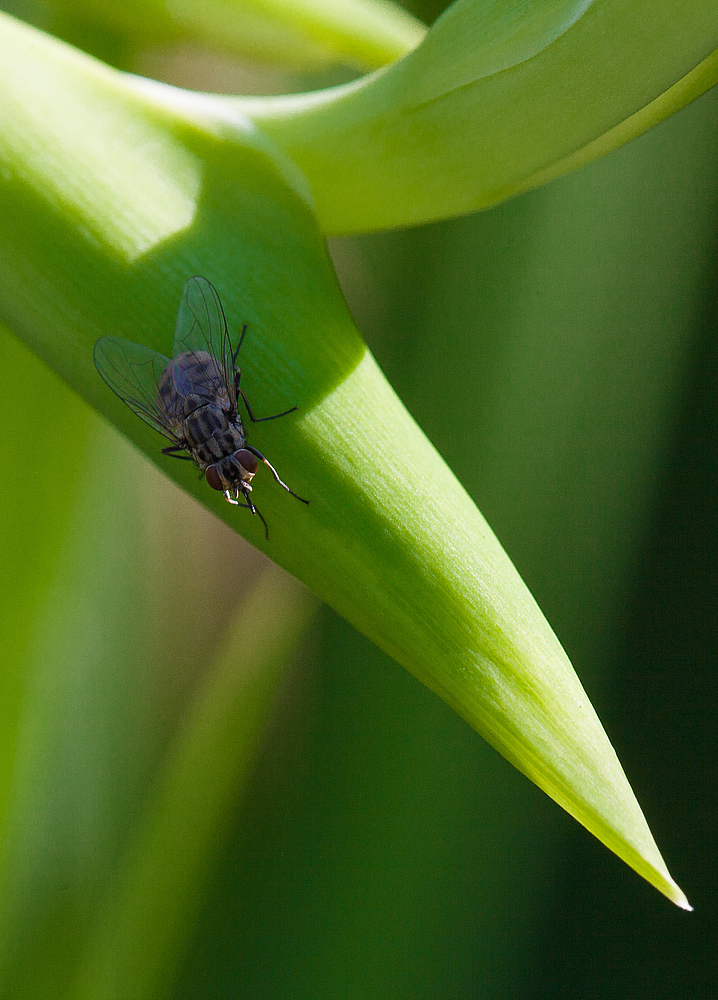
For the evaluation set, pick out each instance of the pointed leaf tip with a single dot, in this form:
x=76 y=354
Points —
x=681 y=901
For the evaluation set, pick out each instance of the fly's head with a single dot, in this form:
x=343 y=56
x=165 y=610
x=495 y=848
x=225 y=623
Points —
x=232 y=475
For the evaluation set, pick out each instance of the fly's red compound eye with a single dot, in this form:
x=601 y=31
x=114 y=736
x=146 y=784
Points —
x=247 y=460
x=212 y=477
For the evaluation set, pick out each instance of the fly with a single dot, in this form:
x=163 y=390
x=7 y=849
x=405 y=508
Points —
x=193 y=399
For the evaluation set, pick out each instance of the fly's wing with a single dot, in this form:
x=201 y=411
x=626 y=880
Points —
x=202 y=330
x=133 y=372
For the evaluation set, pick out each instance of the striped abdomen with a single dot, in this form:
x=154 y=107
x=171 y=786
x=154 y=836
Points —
x=209 y=435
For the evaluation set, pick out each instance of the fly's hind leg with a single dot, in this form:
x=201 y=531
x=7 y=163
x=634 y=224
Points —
x=172 y=452
x=271 y=468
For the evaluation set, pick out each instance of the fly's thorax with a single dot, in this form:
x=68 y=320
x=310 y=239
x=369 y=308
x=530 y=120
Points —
x=192 y=379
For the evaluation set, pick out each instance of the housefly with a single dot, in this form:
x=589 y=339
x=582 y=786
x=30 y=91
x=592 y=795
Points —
x=192 y=399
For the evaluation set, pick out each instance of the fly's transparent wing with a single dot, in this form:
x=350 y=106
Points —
x=202 y=331
x=133 y=372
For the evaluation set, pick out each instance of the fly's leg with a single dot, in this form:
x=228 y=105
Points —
x=238 y=391
x=250 y=506
x=245 y=491
x=255 y=511
x=234 y=356
x=237 y=372
x=172 y=452
x=258 y=420
x=271 y=468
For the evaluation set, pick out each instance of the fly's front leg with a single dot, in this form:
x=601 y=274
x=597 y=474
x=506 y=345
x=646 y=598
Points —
x=249 y=505
x=255 y=511
x=271 y=468
x=245 y=491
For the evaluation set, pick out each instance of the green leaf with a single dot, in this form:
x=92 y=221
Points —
x=496 y=100
x=112 y=194
x=304 y=34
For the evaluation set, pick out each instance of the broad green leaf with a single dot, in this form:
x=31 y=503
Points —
x=496 y=100
x=304 y=34
x=112 y=195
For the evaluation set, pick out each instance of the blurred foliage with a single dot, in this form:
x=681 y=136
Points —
x=301 y=35
x=560 y=351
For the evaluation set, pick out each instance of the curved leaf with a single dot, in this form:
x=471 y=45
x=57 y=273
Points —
x=391 y=540
x=491 y=103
